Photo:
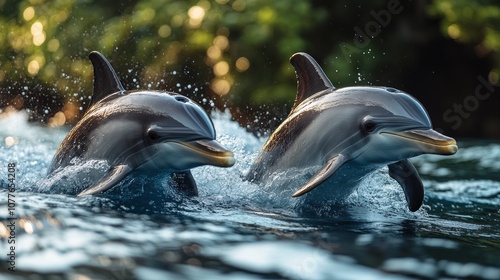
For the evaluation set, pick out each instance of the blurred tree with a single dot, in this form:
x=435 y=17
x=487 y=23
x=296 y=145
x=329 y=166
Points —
x=46 y=45
x=475 y=23
x=234 y=53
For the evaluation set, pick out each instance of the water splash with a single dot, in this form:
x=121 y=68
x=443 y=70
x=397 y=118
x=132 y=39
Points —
x=236 y=229
x=217 y=186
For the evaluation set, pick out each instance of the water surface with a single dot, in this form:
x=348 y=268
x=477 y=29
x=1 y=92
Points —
x=234 y=230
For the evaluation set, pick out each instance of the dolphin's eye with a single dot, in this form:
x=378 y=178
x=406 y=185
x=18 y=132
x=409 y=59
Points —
x=369 y=126
x=153 y=135
x=181 y=99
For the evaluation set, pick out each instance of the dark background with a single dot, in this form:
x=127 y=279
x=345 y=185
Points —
x=438 y=51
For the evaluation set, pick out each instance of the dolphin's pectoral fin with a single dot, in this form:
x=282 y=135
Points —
x=114 y=176
x=185 y=183
x=328 y=169
x=106 y=81
x=407 y=176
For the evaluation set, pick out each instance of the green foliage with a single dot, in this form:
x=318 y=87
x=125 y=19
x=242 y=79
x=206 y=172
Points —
x=47 y=42
x=472 y=22
x=230 y=53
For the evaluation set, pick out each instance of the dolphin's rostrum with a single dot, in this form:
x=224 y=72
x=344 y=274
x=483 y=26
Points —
x=151 y=131
x=350 y=132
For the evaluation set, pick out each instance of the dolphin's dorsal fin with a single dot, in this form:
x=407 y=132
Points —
x=112 y=178
x=310 y=77
x=106 y=81
x=331 y=166
x=407 y=176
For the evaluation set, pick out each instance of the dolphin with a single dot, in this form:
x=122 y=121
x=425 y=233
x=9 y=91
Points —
x=152 y=131
x=350 y=132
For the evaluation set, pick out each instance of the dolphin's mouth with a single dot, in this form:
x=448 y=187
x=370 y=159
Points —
x=212 y=152
x=430 y=141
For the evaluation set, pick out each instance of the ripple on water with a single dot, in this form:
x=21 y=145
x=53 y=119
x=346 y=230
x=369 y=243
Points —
x=295 y=260
x=482 y=191
x=476 y=160
x=431 y=268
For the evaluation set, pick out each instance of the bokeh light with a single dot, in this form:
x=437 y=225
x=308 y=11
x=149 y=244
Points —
x=221 y=68
x=33 y=67
x=59 y=119
x=220 y=86
x=164 y=31
x=38 y=33
x=29 y=13
x=222 y=42
x=454 y=31
x=242 y=64
x=196 y=15
x=214 y=52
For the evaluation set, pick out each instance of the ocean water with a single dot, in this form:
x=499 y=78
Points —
x=237 y=230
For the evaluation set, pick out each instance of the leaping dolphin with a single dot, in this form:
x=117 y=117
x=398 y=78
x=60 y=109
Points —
x=350 y=132
x=140 y=130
